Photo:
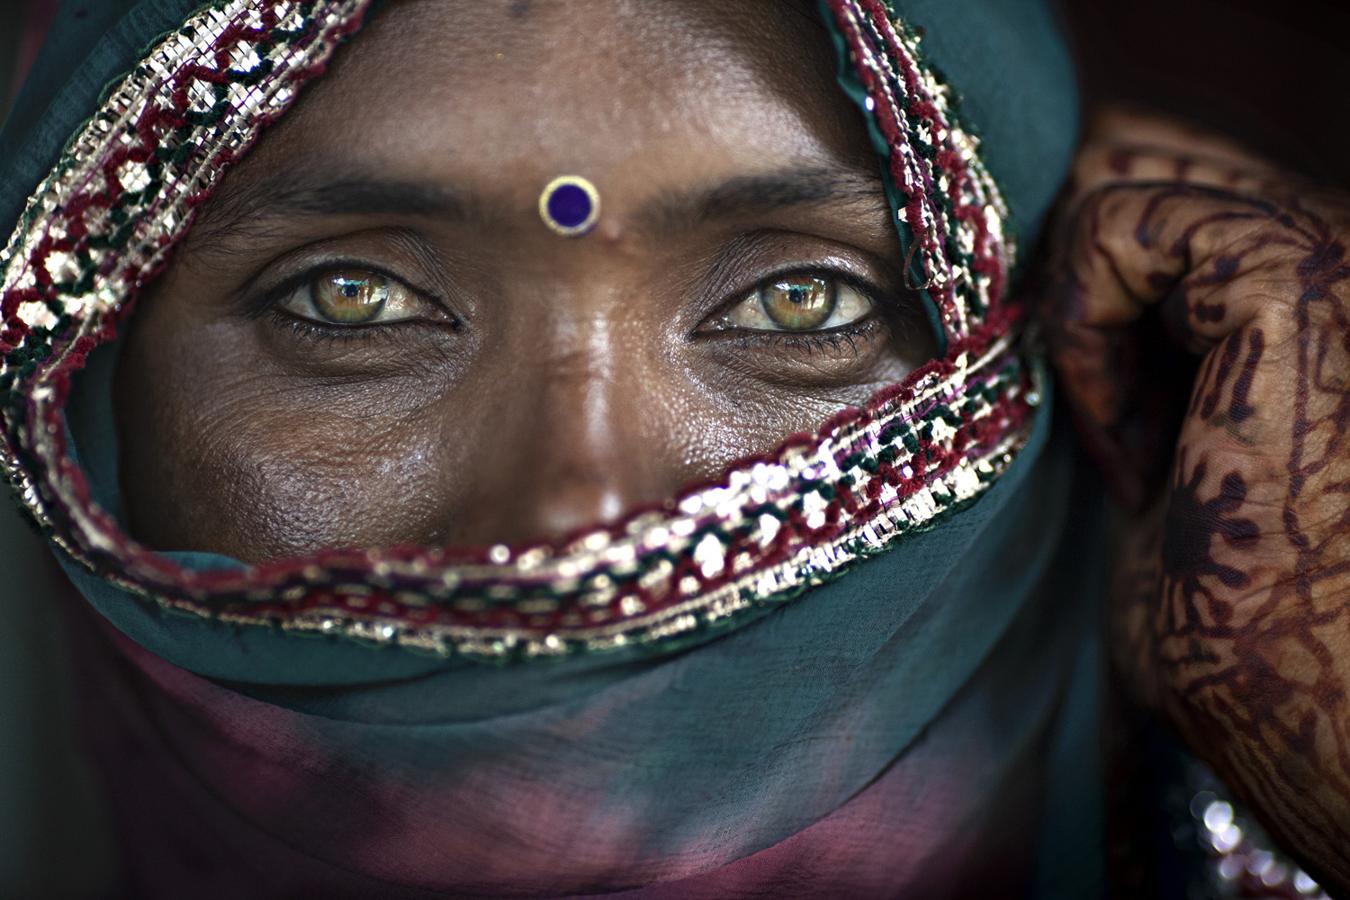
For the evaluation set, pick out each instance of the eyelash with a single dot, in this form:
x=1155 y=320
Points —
x=807 y=342
x=309 y=330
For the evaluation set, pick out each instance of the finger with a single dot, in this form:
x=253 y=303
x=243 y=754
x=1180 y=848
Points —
x=1103 y=163
x=1124 y=146
x=1136 y=245
x=1185 y=250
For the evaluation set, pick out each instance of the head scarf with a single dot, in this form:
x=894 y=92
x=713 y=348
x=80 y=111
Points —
x=811 y=676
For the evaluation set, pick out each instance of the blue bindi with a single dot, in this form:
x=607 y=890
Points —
x=570 y=205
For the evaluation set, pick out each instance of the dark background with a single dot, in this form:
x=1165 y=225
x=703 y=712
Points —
x=1275 y=73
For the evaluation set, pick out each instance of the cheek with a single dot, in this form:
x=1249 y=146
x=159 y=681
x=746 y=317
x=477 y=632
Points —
x=317 y=481
x=218 y=453
x=245 y=472
x=709 y=416
x=260 y=466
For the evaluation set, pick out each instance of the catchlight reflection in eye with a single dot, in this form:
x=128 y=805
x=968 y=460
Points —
x=350 y=298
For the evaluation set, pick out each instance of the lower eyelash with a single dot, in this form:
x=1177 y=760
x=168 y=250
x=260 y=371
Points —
x=310 y=330
x=808 y=342
x=330 y=334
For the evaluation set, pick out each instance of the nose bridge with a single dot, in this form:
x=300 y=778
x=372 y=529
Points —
x=583 y=431
x=577 y=405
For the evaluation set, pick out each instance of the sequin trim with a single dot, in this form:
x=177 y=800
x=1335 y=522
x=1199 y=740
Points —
x=950 y=203
x=1241 y=860
x=124 y=192
x=100 y=226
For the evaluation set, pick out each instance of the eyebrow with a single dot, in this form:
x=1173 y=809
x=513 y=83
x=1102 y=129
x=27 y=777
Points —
x=313 y=193
x=747 y=196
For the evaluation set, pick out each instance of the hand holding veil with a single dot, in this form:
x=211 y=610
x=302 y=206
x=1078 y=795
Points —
x=1232 y=593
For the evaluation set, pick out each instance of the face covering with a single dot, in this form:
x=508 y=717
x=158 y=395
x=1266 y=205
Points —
x=862 y=663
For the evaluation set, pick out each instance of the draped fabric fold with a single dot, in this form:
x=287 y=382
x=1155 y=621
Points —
x=853 y=735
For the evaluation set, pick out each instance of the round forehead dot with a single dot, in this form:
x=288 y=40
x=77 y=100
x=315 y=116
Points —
x=570 y=205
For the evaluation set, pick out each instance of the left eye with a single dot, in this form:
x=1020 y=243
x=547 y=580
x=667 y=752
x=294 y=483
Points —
x=353 y=297
x=798 y=303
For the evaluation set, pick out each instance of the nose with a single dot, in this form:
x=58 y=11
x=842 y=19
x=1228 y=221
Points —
x=584 y=444
x=583 y=439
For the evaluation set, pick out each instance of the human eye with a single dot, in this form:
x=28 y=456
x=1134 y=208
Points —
x=353 y=297
x=798 y=304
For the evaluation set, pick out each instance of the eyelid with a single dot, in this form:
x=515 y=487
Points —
x=401 y=253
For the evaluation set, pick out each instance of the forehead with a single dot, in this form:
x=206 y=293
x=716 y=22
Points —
x=476 y=90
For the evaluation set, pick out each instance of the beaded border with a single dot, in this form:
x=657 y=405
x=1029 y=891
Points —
x=100 y=227
x=124 y=191
x=949 y=202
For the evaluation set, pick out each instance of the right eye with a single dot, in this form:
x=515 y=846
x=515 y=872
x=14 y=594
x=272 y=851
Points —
x=799 y=304
x=350 y=297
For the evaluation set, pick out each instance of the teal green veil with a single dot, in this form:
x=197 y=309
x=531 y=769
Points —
x=883 y=715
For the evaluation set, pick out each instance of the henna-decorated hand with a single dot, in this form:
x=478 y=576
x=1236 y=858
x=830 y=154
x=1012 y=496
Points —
x=1231 y=606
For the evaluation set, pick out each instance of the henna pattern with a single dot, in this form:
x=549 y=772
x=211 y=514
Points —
x=1217 y=373
x=1239 y=410
x=1190 y=530
x=1232 y=601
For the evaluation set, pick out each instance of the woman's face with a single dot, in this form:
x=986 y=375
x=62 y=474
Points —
x=371 y=338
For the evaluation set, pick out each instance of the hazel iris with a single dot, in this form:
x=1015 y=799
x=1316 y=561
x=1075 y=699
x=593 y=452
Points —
x=799 y=303
x=350 y=298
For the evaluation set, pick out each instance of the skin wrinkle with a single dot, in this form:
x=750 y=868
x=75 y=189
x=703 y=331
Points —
x=549 y=383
